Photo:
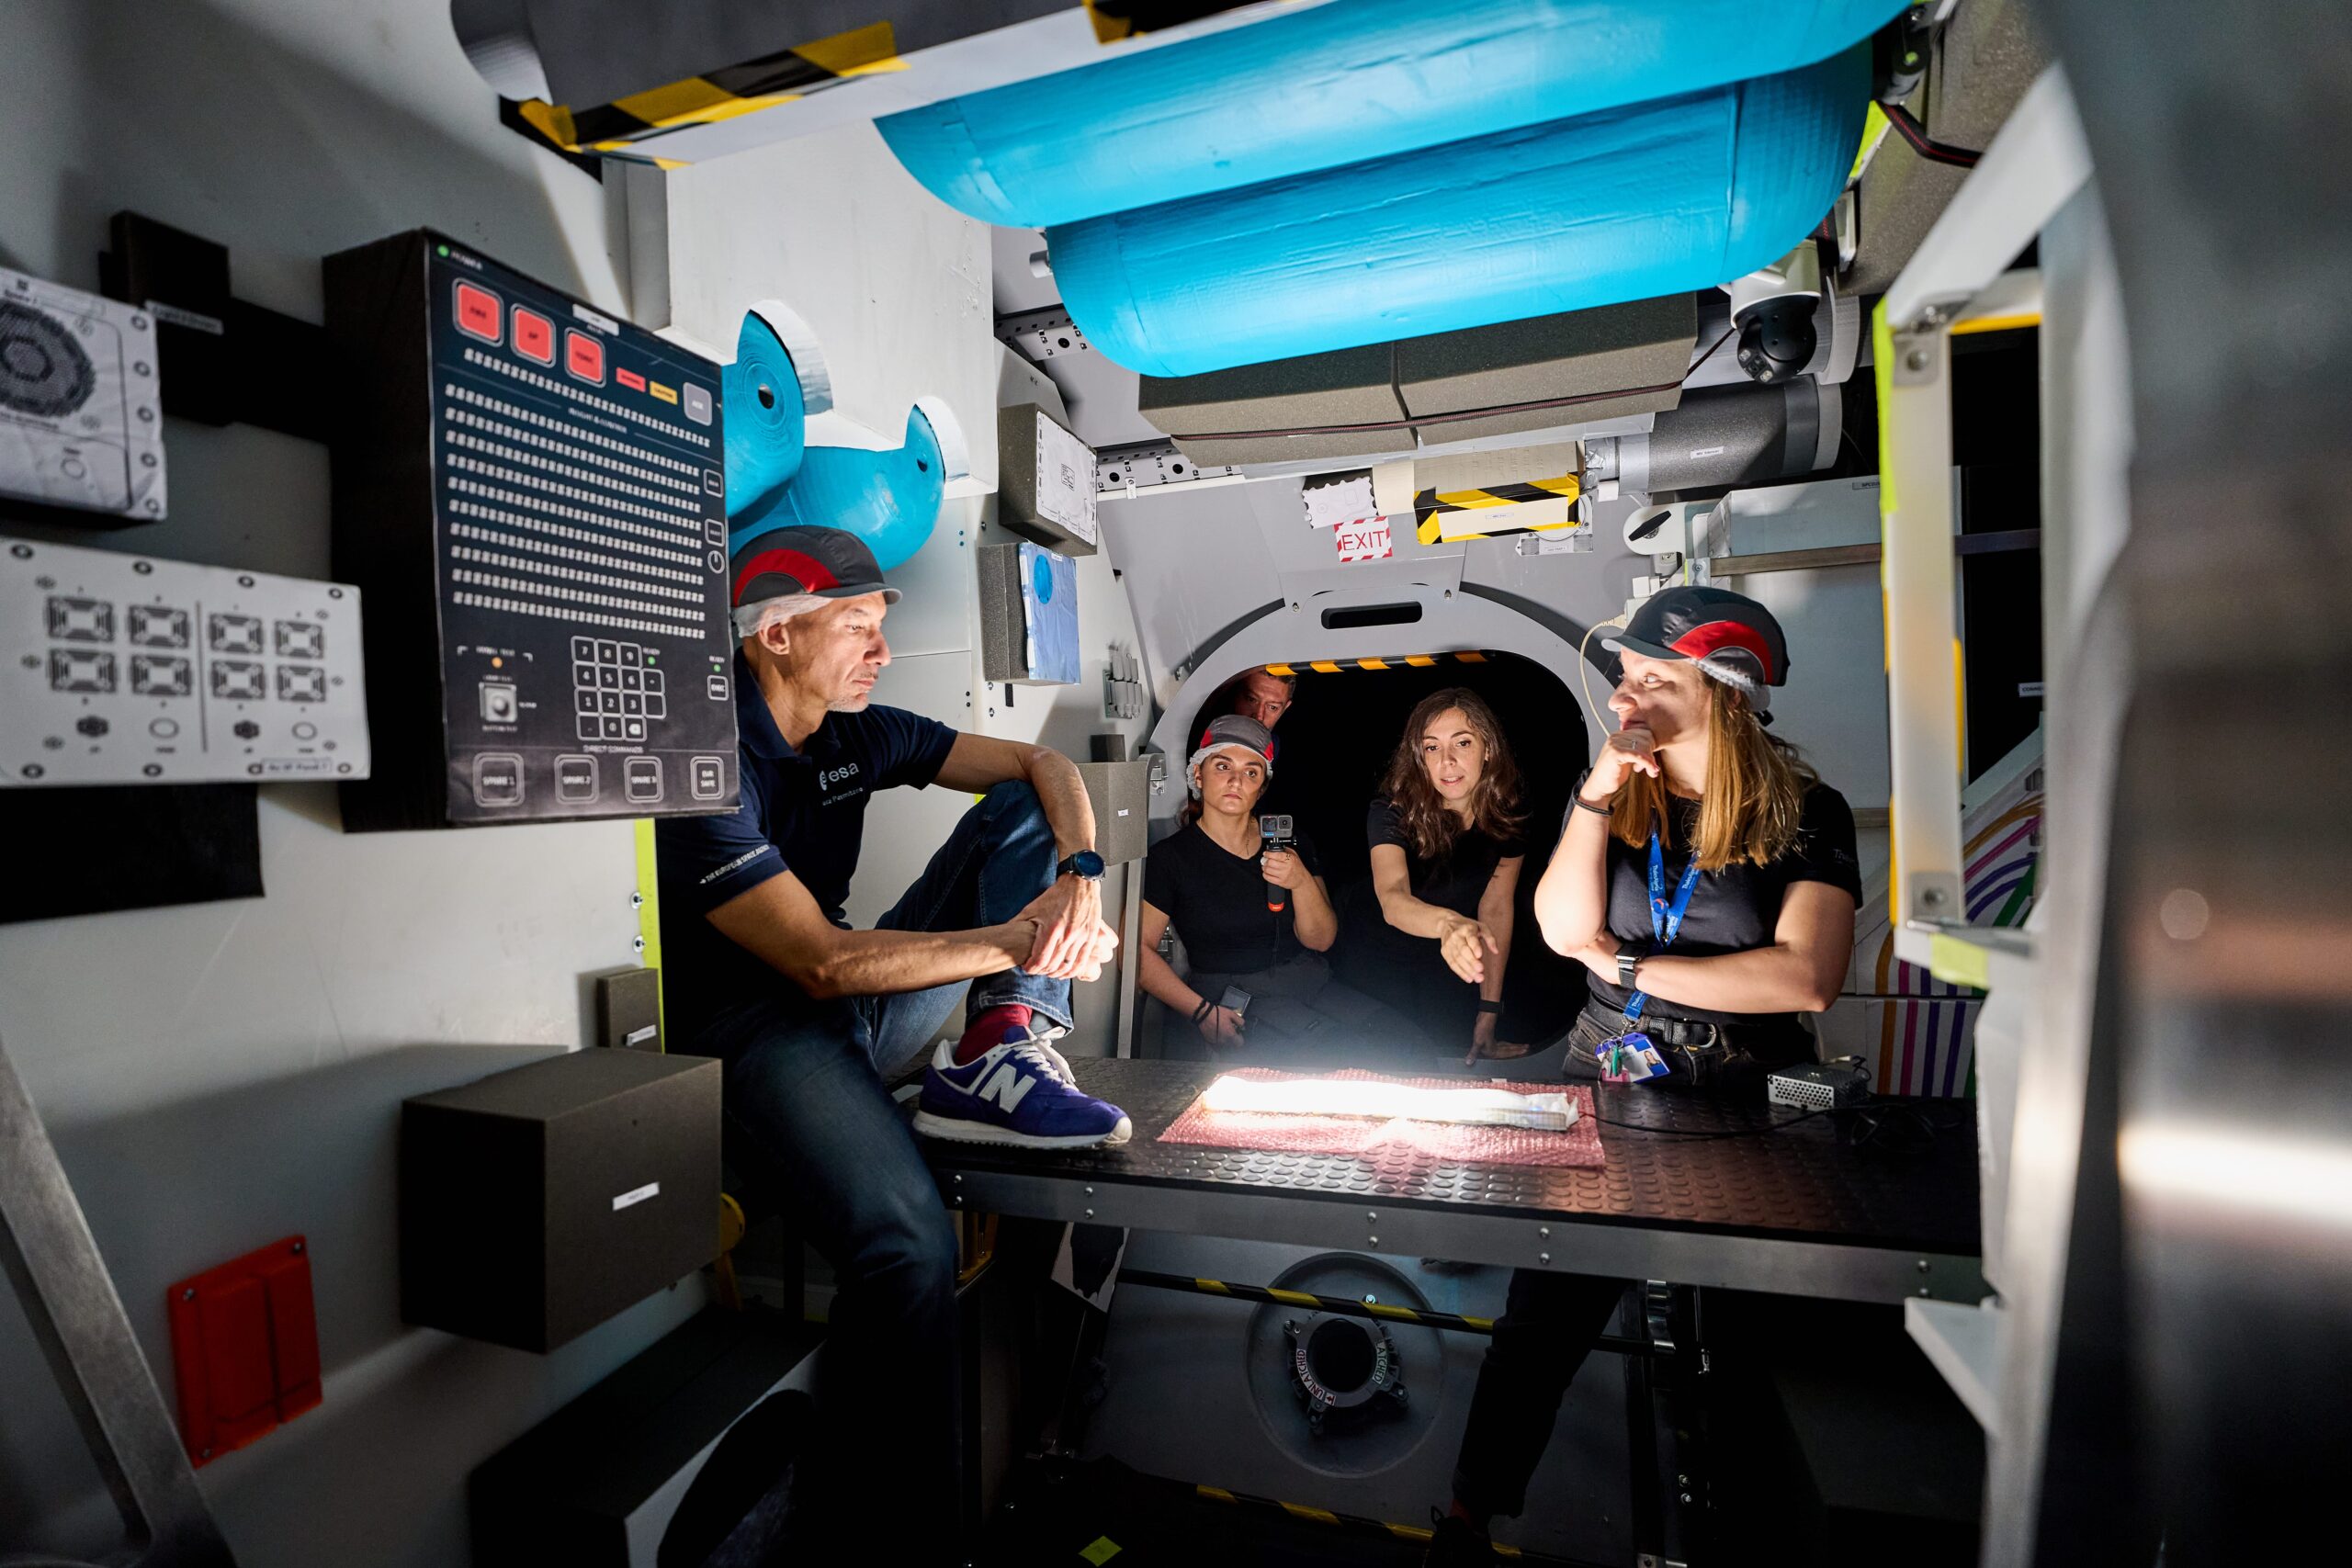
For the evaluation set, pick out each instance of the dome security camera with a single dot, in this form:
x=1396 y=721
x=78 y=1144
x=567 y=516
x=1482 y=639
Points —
x=1644 y=523
x=1773 y=312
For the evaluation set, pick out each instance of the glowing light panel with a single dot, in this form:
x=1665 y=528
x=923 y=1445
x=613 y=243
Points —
x=1469 y=1105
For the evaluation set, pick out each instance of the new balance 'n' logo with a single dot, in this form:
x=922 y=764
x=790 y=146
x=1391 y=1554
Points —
x=1008 y=1087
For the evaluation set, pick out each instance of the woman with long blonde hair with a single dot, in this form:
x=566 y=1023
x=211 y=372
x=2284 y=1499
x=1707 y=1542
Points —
x=1446 y=849
x=1707 y=878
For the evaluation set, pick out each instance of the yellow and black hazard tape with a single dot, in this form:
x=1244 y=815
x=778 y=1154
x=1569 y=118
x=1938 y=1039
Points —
x=1386 y=661
x=1430 y=505
x=1347 y=1306
x=1355 y=1524
x=717 y=95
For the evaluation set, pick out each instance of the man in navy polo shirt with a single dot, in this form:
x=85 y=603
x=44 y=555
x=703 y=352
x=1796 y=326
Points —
x=811 y=1018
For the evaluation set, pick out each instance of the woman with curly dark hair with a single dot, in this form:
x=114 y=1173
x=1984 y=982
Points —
x=1446 y=849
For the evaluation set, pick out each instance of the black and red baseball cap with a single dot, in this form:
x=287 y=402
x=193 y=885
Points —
x=1729 y=635
x=1233 y=729
x=829 y=563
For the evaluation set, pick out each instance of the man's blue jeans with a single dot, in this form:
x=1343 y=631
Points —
x=809 y=1118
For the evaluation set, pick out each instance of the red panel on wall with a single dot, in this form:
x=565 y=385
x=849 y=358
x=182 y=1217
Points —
x=245 y=1347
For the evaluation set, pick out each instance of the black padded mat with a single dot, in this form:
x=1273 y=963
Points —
x=1798 y=1182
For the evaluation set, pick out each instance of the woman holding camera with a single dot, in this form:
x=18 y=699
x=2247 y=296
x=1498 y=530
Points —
x=1446 y=857
x=1256 y=920
x=1708 y=880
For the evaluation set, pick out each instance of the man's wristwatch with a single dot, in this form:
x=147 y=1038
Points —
x=1083 y=863
x=1628 y=957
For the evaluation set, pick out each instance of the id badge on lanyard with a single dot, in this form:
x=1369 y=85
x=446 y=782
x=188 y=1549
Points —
x=1630 y=1056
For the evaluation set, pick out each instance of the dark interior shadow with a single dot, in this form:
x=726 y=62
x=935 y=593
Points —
x=1336 y=742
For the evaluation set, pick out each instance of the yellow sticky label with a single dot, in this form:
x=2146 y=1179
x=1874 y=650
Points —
x=1959 y=962
x=552 y=121
x=1874 y=124
x=1102 y=1551
x=649 y=912
x=667 y=394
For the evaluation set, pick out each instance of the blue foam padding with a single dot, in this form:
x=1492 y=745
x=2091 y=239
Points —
x=888 y=499
x=766 y=433
x=1655 y=199
x=1338 y=83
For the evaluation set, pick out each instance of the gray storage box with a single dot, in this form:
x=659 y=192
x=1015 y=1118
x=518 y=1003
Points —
x=1617 y=360
x=1045 y=480
x=1121 y=793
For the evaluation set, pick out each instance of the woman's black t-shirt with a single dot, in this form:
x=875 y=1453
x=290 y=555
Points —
x=1216 y=901
x=1457 y=880
x=1732 y=910
x=1407 y=972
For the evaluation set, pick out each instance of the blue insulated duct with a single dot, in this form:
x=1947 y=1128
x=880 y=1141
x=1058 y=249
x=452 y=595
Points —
x=1336 y=83
x=888 y=499
x=765 y=419
x=1630 y=203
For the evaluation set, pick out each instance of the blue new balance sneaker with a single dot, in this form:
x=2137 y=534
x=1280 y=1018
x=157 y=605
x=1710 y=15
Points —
x=1020 y=1092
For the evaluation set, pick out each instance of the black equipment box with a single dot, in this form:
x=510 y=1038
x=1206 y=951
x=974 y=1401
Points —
x=593 y=1484
x=532 y=495
x=538 y=1203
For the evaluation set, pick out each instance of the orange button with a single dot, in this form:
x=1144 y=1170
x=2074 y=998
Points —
x=629 y=379
x=583 y=357
x=478 y=312
x=533 y=336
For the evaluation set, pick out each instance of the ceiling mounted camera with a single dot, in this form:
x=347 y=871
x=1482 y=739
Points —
x=1773 y=312
x=1644 y=523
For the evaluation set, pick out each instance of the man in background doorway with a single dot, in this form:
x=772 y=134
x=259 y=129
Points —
x=1265 y=696
x=1262 y=695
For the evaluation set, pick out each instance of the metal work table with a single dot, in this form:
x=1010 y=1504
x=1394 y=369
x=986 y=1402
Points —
x=1792 y=1211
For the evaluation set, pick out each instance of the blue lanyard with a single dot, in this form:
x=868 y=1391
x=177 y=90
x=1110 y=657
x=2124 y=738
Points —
x=1665 y=919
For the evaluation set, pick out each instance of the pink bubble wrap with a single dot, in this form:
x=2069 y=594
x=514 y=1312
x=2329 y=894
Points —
x=1579 y=1145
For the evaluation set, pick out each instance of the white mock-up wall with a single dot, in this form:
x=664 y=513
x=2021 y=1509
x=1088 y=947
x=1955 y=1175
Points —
x=217 y=1076
x=892 y=283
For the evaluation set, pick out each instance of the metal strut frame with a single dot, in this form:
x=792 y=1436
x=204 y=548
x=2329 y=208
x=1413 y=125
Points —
x=52 y=1260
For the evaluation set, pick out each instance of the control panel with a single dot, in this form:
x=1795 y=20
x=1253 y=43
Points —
x=124 y=669
x=533 y=493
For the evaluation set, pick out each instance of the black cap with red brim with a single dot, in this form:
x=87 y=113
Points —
x=828 y=563
x=1729 y=635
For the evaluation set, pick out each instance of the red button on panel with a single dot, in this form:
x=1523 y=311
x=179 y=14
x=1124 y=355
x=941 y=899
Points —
x=583 y=357
x=478 y=312
x=533 y=336
x=629 y=379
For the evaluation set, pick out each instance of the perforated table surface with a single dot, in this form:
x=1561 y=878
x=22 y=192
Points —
x=1793 y=1210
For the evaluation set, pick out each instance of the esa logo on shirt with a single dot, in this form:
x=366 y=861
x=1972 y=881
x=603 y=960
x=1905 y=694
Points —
x=827 y=778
